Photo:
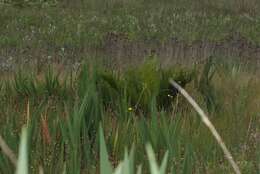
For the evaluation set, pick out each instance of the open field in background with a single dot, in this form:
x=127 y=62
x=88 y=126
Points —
x=66 y=32
x=68 y=66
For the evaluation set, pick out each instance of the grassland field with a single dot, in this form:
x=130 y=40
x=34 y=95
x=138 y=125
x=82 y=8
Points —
x=68 y=68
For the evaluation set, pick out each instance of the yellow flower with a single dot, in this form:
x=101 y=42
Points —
x=130 y=109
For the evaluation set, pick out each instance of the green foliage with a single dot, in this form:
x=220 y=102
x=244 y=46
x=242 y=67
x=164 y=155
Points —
x=110 y=87
x=154 y=168
x=105 y=166
x=206 y=88
x=151 y=81
x=134 y=106
x=143 y=84
x=127 y=165
x=63 y=131
x=52 y=85
x=24 y=85
x=137 y=86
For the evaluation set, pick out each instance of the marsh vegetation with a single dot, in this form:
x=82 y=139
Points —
x=90 y=79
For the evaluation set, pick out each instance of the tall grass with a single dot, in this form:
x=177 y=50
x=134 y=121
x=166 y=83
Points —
x=64 y=117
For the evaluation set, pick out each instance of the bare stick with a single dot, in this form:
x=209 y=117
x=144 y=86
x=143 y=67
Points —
x=41 y=170
x=7 y=151
x=207 y=122
x=28 y=112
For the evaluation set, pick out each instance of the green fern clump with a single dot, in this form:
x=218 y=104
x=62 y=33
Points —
x=143 y=83
x=150 y=73
x=138 y=86
x=28 y=85
x=52 y=84
x=24 y=85
x=110 y=87
x=151 y=81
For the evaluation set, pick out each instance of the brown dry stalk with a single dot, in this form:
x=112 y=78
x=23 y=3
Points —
x=45 y=130
x=207 y=122
x=7 y=151
x=41 y=170
x=28 y=112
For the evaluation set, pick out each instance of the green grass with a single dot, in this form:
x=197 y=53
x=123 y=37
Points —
x=89 y=23
x=41 y=33
x=132 y=100
x=64 y=116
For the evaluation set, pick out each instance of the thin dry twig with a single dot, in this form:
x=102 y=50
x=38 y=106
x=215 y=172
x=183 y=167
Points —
x=7 y=151
x=28 y=112
x=41 y=170
x=207 y=122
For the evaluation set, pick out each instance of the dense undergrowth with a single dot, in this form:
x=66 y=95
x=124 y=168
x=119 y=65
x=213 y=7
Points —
x=134 y=107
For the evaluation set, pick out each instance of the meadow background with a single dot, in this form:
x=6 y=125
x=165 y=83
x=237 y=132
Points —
x=68 y=67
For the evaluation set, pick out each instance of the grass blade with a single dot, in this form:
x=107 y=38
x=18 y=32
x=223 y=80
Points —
x=208 y=123
x=164 y=163
x=7 y=151
x=105 y=166
x=152 y=161
x=22 y=163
